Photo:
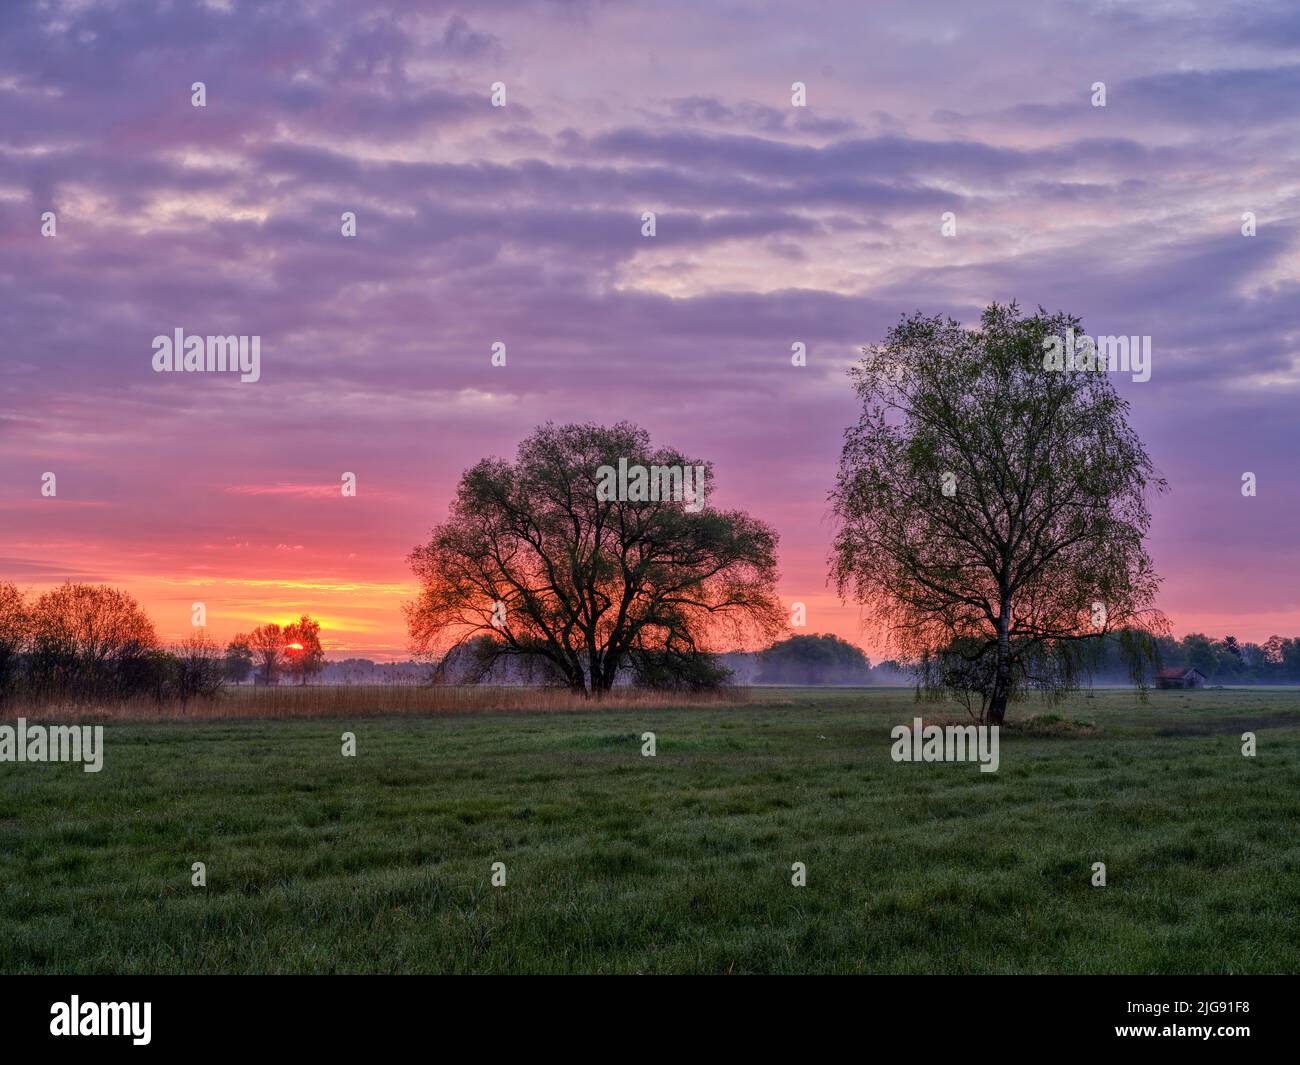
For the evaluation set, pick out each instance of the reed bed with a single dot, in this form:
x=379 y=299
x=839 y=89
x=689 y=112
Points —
x=349 y=700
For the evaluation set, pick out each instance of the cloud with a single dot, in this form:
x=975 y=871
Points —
x=522 y=225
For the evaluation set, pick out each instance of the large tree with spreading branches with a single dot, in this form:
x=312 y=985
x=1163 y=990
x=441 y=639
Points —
x=538 y=558
x=991 y=511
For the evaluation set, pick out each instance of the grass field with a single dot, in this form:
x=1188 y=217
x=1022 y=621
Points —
x=678 y=863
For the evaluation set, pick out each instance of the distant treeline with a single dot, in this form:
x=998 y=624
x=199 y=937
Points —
x=85 y=642
x=826 y=659
x=1225 y=661
x=1221 y=661
x=90 y=643
x=821 y=659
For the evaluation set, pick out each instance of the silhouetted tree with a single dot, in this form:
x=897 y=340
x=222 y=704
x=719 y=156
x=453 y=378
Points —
x=14 y=625
x=267 y=645
x=200 y=668
x=239 y=659
x=89 y=641
x=536 y=556
x=813 y=659
x=303 y=653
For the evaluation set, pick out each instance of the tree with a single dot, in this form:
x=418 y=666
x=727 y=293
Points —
x=239 y=659
x=13 y=636
x=200 y=670
x=267 y=645
x=682 y=670
x=962 y=669
x=91 y=641
x=1229 y=661
x=1273 y=650
x=985 y=499
x=813 y=659
x=158 y=674
x=1199 y=653
x=1255 y=664
x=537 y=556
x=302 y=648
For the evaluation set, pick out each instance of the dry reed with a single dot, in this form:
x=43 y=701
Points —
x=348 y=700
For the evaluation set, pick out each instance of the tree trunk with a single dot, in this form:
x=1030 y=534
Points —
x=1002 y=670
x=998 y=704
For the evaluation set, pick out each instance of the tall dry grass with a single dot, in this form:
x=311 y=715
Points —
x=347 y=700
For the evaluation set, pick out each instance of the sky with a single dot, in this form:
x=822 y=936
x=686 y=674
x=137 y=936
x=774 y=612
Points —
x=522 y=224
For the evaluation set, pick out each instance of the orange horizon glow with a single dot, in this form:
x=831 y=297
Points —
x=344 y=563
x=362 y=618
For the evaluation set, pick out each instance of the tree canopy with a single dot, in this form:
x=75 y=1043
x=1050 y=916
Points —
x=813 y=659
x=992 y=513
x=537 y=556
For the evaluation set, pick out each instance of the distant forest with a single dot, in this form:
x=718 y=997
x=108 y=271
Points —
x=824 y=659
x=1225 y=661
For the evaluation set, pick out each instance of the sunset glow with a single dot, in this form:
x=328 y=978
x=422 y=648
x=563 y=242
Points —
x=521 y=225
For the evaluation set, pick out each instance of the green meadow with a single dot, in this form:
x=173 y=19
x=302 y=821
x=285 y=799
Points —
x=678 y=863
